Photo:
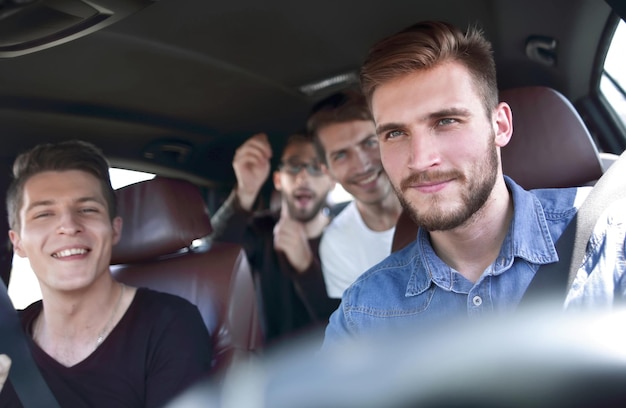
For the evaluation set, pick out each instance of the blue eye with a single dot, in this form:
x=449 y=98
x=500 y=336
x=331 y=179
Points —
x=446 y=121
x=338 y=156
x=393 y=134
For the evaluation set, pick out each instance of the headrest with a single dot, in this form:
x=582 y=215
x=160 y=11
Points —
x=160 y=217
x=550 y=146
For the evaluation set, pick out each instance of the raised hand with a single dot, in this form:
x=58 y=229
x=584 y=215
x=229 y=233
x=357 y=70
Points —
x=252 y=167
x=291 y=239
x=5 y=365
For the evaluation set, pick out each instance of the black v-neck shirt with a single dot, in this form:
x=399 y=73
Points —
x=158 y=348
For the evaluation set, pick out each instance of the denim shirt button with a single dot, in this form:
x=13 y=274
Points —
x=477 y=300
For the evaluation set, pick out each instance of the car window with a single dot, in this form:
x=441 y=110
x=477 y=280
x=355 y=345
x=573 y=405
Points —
x=339 y=195
x=613 y=81
x=124 y=177
x=23 y=286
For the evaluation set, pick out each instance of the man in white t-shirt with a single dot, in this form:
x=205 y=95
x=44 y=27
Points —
x=361 y=235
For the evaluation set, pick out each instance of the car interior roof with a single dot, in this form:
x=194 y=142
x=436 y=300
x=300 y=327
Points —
x=199 y=77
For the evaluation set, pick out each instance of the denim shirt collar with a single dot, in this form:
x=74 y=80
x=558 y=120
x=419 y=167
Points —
x=528 y=237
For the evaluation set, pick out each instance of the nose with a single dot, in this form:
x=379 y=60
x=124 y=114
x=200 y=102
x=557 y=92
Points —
x=302 y=178
x=423 y=152
x=363 y=160
x=69 y=223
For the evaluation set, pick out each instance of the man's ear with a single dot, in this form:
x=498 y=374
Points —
x=276 y=179
x=117 y=229
x=17 y=244
x=503 y=124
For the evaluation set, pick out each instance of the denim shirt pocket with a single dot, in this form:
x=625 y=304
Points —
x=364 y=315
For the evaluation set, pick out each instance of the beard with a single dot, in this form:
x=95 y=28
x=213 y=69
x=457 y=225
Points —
x=474 y=195
x=304 y=215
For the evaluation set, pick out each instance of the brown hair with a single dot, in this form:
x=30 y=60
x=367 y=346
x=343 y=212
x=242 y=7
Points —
x=298 y=139
x=67 y=155
x=426 y=45
x=340 y=107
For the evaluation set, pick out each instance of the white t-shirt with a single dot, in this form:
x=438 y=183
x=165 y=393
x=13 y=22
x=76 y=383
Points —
x=348 y=248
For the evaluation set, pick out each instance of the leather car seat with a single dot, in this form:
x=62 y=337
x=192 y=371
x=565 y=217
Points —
x=162 y=218
x=550 y=147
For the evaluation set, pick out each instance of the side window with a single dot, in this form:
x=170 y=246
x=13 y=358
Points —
x=124 y=177
x=23 y=286
x=613 y=81
x=339 y=195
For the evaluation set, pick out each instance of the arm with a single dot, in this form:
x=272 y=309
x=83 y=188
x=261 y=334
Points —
x=252 y=166
x=230 y=221
x=290 y=240
x=337 y=330
x=299 y=258
x=312 y=288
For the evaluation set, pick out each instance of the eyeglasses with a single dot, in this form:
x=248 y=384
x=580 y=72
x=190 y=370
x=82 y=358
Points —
x=314 y=169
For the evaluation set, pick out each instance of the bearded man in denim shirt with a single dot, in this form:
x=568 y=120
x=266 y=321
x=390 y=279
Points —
x=433 y=94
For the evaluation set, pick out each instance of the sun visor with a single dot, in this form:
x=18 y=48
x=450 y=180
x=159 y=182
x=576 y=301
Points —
x=31 y=25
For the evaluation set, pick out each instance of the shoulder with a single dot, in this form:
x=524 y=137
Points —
x=335 y=209
x=337 y=234
x=559 y=199
x=166 y=313
x=30 y=313
x=559 y=206
x=554 y=206
x=392 y=274
x=554 y=202
x=33 y=308
x=156 y=302
x=344 y=219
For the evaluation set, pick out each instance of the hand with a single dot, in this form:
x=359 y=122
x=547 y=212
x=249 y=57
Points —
x=5 y=365
x=290 y=238
x=252 y=167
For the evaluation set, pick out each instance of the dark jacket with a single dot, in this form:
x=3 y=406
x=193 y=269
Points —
x=292 y=302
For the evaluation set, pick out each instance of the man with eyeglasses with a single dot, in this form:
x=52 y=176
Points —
x=281 y=245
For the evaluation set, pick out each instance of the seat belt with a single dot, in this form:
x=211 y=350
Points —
x=26 y=379
x=553 y=281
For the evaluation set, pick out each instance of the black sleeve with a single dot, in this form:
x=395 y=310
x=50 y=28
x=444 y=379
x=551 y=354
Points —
x=230 y=221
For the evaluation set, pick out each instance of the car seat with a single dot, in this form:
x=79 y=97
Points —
x=162 y=219
x=550 y=147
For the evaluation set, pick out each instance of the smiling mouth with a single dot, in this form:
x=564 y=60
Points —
x=69 y=252
x=370 y=179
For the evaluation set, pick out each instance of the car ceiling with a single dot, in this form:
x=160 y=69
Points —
x=181 y=83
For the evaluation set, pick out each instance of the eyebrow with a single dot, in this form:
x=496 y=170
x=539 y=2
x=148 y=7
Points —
x=444 y=113
x=363 y=140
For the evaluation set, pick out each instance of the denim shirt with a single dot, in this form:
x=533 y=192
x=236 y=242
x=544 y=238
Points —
x=415 y=287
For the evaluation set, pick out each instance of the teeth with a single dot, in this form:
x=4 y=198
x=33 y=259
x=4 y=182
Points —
x=69 y=252
x=369 y=179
